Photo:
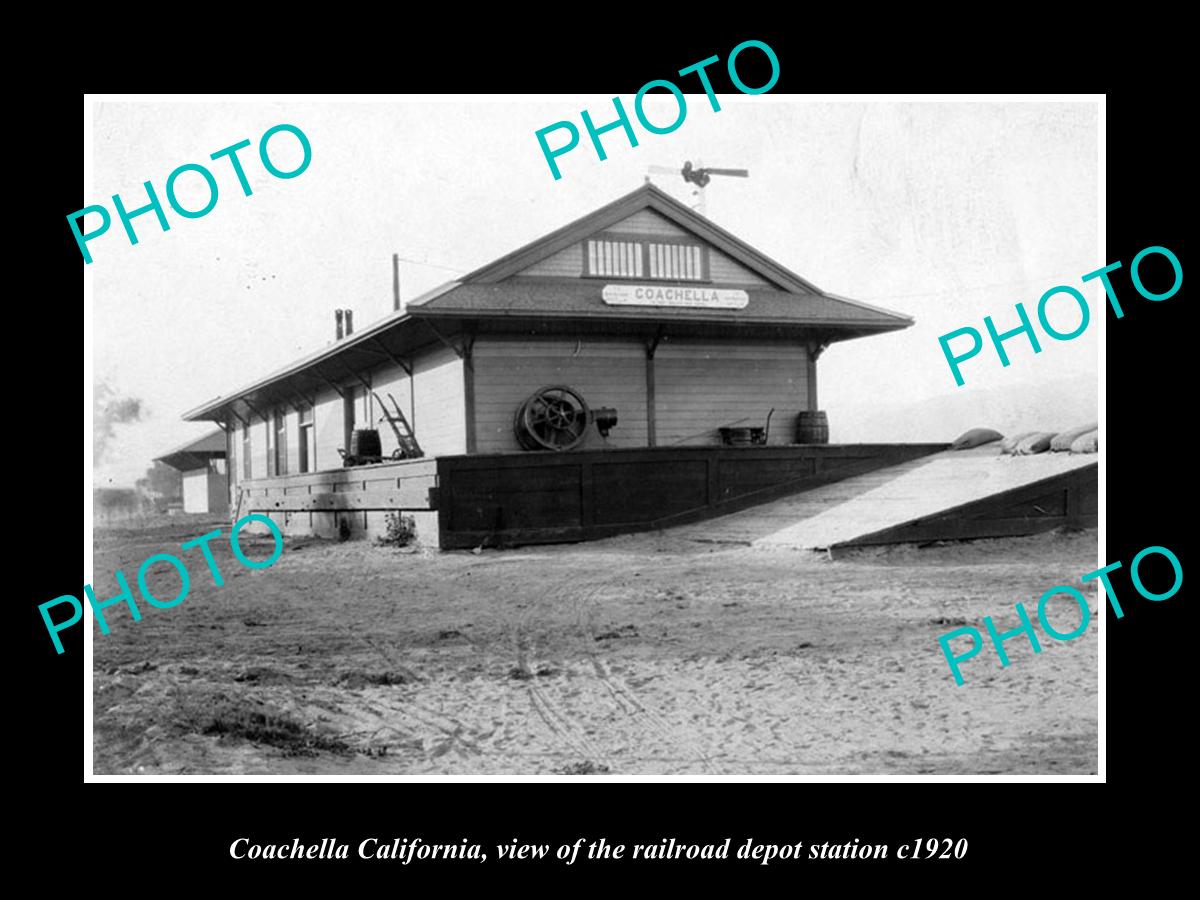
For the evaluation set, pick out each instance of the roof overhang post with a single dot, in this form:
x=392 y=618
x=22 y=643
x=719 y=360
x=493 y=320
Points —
x=651 y=388
x=467 y=354
x=815 y=348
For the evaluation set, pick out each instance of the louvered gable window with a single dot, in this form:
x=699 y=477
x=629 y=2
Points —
x=655 y=260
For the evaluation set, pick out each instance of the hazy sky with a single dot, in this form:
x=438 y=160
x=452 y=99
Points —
x=946 y=212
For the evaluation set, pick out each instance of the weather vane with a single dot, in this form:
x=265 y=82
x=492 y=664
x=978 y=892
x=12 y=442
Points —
x=698 y=175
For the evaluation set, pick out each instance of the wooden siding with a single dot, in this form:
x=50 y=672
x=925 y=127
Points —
x=195 y=491
x=700 y=387
x=507 y=499
x=648 y=222
x=327 y=423
x=605 y=373
x=724 y=269
x=258 y=447
x=391 y=379
x=292 y=429
x=569 y=262
x=438 y=418
x=440 y=403
x=565 y=263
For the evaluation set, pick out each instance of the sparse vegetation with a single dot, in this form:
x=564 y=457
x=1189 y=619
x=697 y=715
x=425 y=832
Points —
x=582 y=768
x=401 y=531
x=356 y=680
x=263 y=725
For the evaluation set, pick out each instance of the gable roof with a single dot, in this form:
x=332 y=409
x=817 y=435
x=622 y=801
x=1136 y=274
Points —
x=788 y=306
x=195 y=454
x=832 y=307
x=647 y=196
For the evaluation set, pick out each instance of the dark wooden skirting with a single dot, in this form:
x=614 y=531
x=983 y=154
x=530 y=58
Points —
x=1069 y=499
x=538 y=498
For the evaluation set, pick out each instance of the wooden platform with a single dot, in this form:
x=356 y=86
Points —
x=761 y=521
x=508 y=499
x=799 y=496
x=947 y=496
x=351 y=501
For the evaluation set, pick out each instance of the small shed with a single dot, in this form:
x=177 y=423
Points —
x=202 y=463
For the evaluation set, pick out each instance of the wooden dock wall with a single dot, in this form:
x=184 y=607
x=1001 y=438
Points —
x=319 y=503
x=538 y=498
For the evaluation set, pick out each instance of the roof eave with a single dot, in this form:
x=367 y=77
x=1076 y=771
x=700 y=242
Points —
x=201 y=412
x=899 y=323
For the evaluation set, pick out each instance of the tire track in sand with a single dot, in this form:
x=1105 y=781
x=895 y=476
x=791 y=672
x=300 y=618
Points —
x=625 y=697
x=521 y=637
x=454 y=729
x=551 y=713
x=574 y=743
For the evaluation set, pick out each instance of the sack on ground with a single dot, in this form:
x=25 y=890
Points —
x=1009 y=444
x=975 y=437
x=1086 y=443
x=1064 y=439
x=1035 y=443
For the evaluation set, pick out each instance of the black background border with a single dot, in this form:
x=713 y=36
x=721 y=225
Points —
x=1007 y=824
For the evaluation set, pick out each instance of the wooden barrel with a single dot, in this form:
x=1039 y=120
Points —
x=812 y=427
x=365 y=442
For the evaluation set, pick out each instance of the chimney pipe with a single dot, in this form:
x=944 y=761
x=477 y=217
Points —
x=396 y=282
x=349 y=322
x=337 y=314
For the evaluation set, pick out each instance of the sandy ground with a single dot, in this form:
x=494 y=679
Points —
x=653 y=654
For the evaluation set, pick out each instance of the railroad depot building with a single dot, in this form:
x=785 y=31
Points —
x=642 y=310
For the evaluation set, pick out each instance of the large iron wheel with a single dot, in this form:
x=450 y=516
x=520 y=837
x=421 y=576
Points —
x=554 y=418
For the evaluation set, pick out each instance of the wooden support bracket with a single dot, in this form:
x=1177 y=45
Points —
x=333 y=385
x=353 y=374
x=254 y=409
x=461 y=352
x=652 y=343
x=407 y=367
x=310 y=403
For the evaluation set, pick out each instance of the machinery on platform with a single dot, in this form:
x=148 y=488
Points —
x=557 y=417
